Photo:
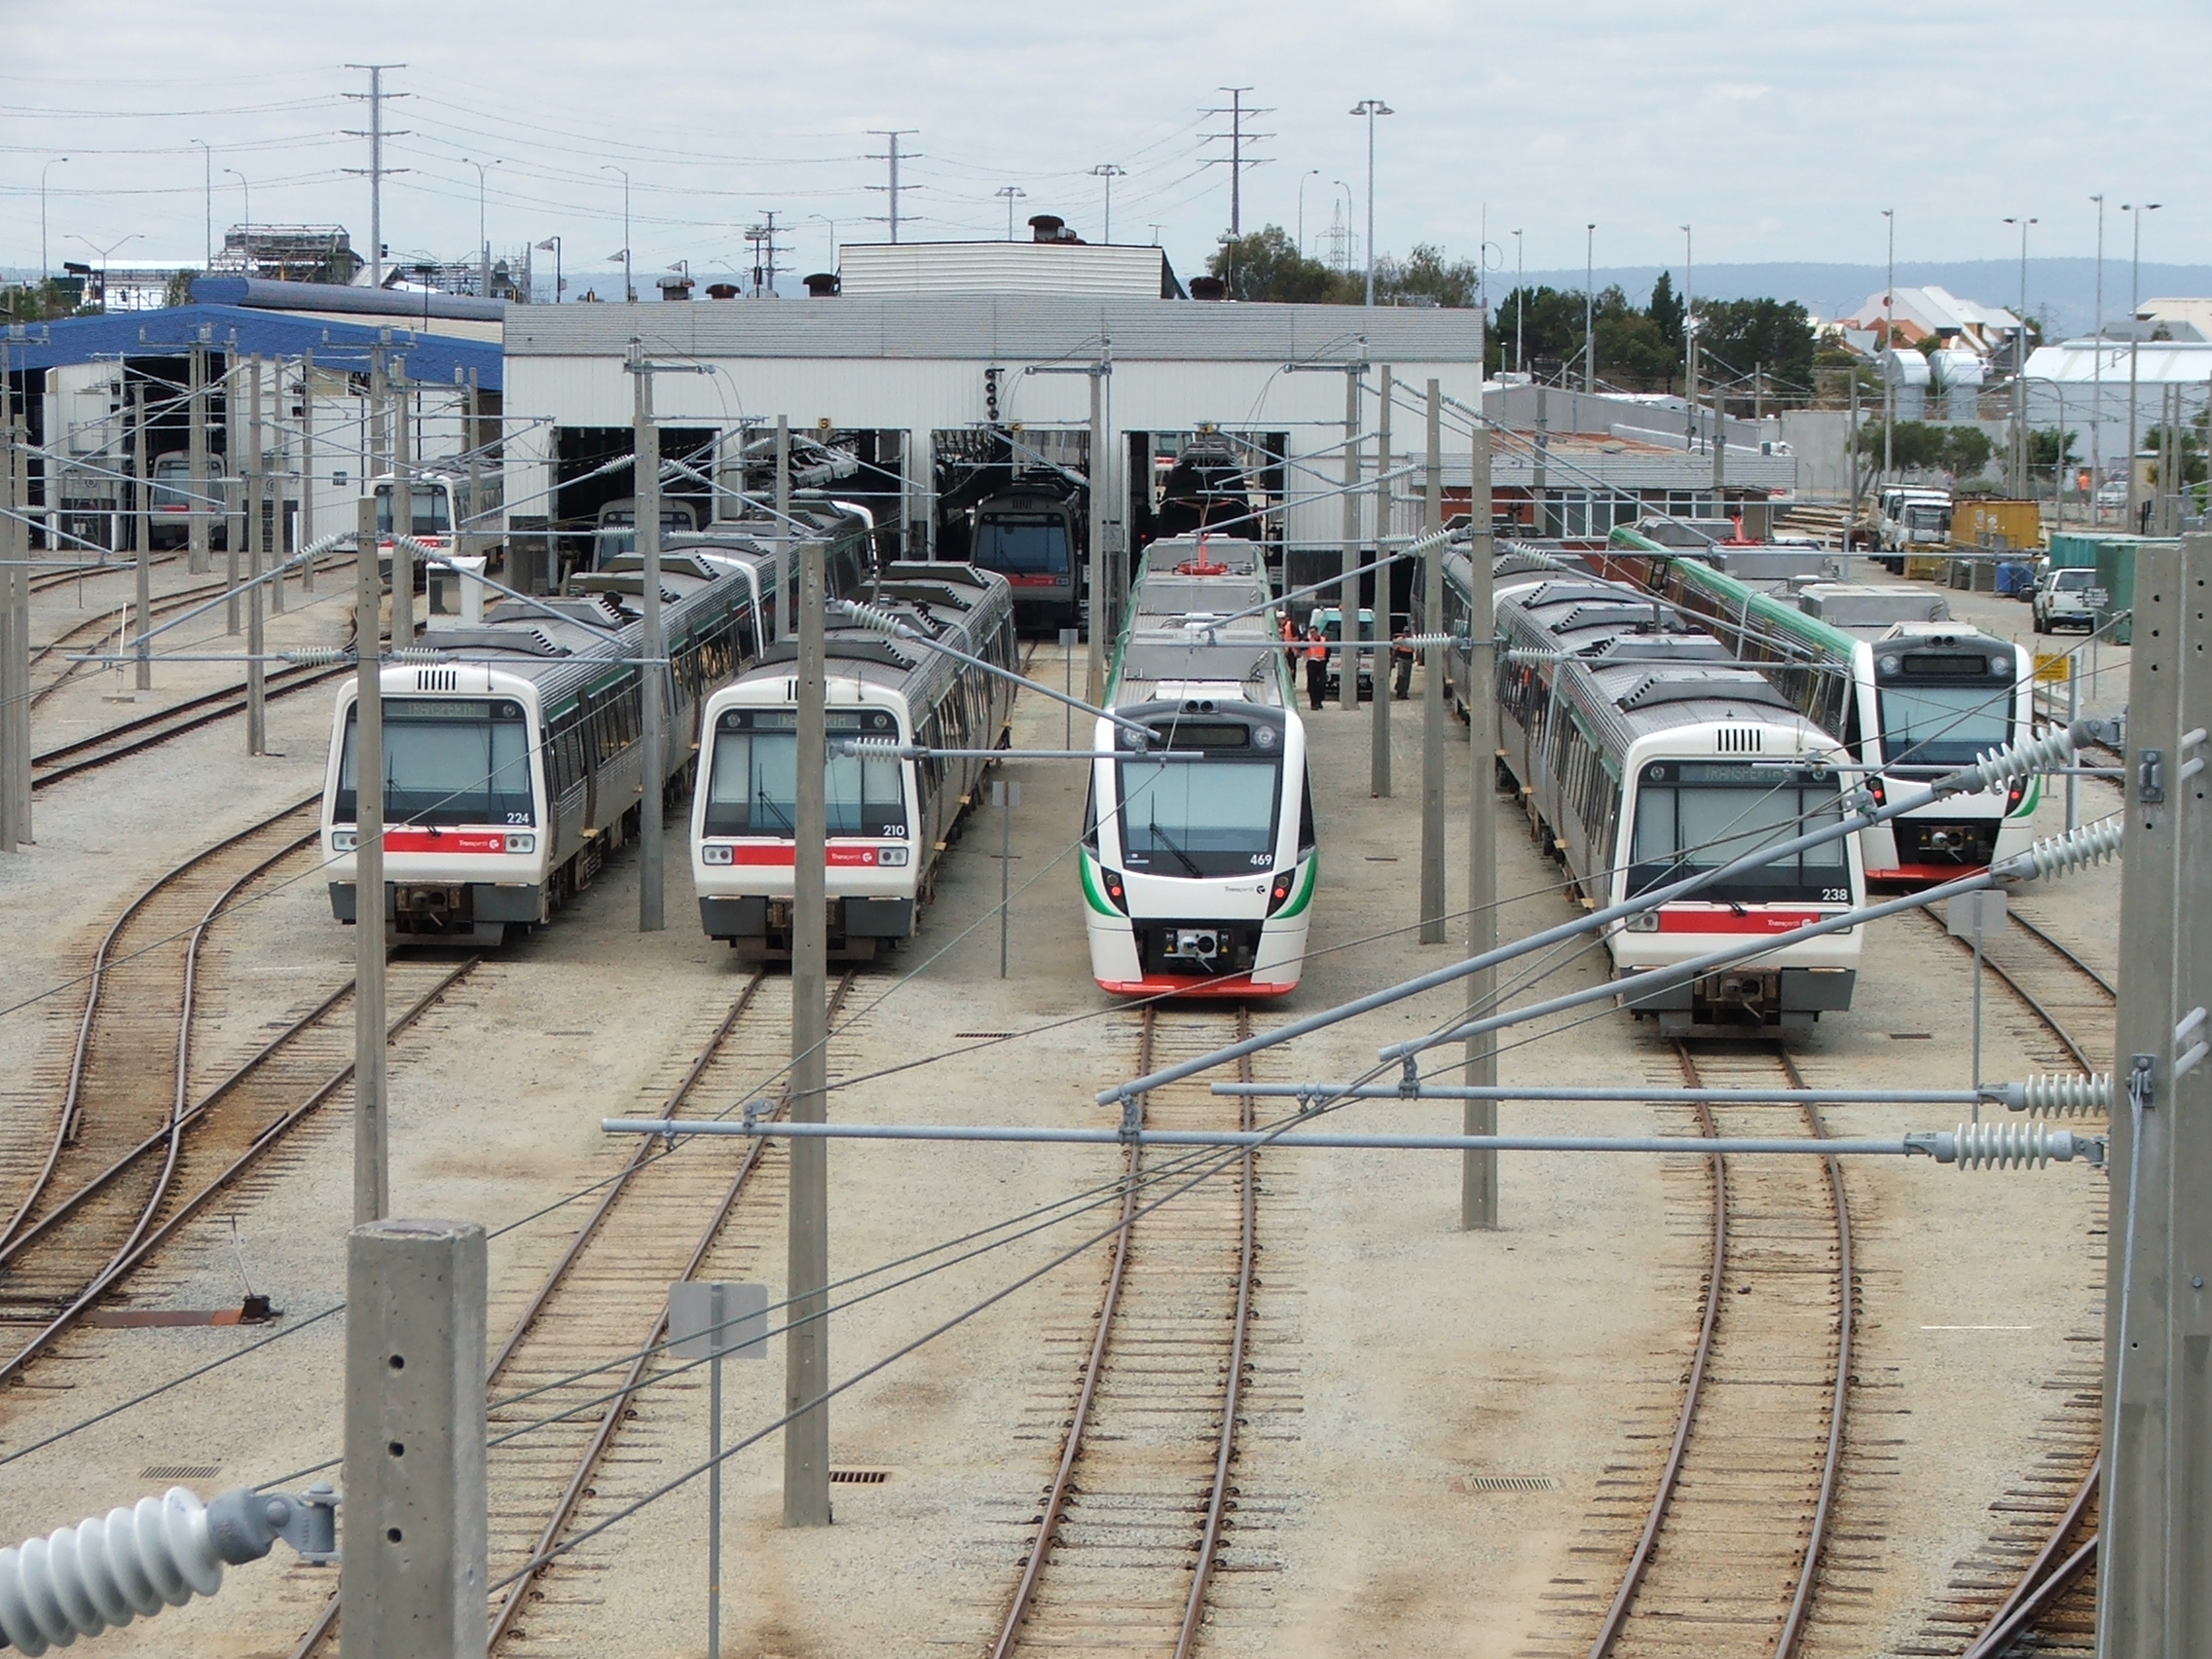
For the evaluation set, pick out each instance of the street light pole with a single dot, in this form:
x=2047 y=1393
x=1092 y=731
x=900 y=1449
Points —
x=1520 y=298
x=1013 y=193
x=629 y=289
x=1370 y=108
x=246 y=190
x=103 y=252
x=483 y=240
x=2020 y=369
x=1689 y=342
x=1108 y=171
x=2134 y=338
x=1589 y=309
x=44 y=269
x=552 y=245
x=2097 y=372
x=1889 y=345
x=1309 y=172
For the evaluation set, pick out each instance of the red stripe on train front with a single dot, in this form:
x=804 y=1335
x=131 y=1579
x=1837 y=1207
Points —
x=783 y=852
x=444 y=841
x=1720 y=919
x=1161 y=984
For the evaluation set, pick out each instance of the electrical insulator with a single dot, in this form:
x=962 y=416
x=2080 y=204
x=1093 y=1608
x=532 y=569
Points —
x=2060 y=1095
x=2077 y=849
x=868 y=617
x=1998 y=767
x=2007 y=1146
x=160 y=1553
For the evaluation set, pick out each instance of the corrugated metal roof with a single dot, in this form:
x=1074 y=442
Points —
x=999 y=328
x=171 y=331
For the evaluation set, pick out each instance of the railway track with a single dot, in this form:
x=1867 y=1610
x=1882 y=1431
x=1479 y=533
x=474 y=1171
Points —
x=1727 y=1560
x=603 y=1304
x=148 y=731
x=1134 y=1520
x=122 y=565
x=2069 y=999
x=2031 y=1586
x=134 y=1151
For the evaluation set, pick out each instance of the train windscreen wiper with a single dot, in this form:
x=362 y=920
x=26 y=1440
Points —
x=760 y=798
x=1165 y=840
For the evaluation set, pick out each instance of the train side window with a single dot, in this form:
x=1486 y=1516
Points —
x=1307 y=839
x=1090 y=816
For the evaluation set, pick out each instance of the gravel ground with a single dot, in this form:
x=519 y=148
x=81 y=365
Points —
x=1546 y=1349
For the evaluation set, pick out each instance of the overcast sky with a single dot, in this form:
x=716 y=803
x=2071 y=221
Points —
x=1778 y=130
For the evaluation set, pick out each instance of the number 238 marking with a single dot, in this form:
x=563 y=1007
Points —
x=1835 y=896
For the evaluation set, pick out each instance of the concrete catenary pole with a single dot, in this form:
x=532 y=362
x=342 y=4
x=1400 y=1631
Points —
x=1096 y=473
x=2154 y=1596
x=1379 y=735
x=1889 y=347
x=233 y=488
x=16 y=685
x=142 y=539
x=371 y=1188
x=274 y=483
x=806 y=1348
x=305 y=535
x=1347 y=587
x=787 y=546
x=403 y=514
x=256 y=543
x=473 y=542
x=650 y=851
x=414 y=1575
x=196 y=457
x=14 y=548
x=1478 y=1171
x=1432 y=901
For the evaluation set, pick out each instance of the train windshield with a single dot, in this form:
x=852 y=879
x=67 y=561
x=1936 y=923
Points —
x=447 y=760
x=1023 y=544
x=753 y=788
x=1945 y=725
x=1214 y=817
x=1694 y=816
x=172 y=485
x=432 y=515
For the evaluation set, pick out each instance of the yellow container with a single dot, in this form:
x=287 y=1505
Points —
x=2002 y=525
x=1924 y=567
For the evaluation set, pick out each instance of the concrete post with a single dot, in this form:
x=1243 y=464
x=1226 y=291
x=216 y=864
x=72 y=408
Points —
x=1433 y=901
x=1378 y=734
x=402 y=519
x=234 y=516
x=786 y=547
x=197 y=561
x=1478 y=1171
x=1348 y=588
x=806 y=1350
x=472 y=541
x=1096 y=472
x=273 y=484
x=256 y=544
x=142 y=538
x=1719 y=453
x=645 y=437
x=371 y=1182
x=14 y=548
x=305 y=535
x=1542 y=524
x=413 y=1577
x=2153 y=1588
x=19 y=694
x=377 y=413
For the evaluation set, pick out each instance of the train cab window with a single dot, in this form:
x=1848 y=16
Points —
x=1694 y=816
x=432 y=514
x=1308 y=839
x=1944 y=709
x=447 y=760
x=1022 y=545
x=753 y=785
x=1214 y=816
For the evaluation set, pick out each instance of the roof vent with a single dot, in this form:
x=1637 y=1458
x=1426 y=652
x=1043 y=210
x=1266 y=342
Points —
x=824 y=286
x=1686 y=683
x=721 y=290
x=1051 y=228
x=1737 y=740
x=1208 y=288
x=437 y=679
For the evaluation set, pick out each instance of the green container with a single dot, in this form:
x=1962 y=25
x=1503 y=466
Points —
x=2115 y=577
x=2074 y=549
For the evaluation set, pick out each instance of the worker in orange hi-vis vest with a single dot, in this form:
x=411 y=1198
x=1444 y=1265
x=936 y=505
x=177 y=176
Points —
x=1316 y=665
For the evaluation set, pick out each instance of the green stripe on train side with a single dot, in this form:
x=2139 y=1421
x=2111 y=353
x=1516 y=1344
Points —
x=1305 y=894
x=1091 y=893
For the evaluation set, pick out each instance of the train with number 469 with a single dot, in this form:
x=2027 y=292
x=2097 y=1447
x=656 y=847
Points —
x=1645 y=754
x=889 y=814
x=1199 y=853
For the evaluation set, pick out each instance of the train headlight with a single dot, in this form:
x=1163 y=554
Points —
x=522 y=843
x=891 y=858
x=344 y=840
x=1279 y=890
x=714 y=855
x=1116 y=890
x=1643 y=921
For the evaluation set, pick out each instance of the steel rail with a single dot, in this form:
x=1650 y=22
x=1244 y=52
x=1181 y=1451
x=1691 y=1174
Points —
x=1831 y=1466
x=123 y=1265
x=2045 y=1576
x=72 y=1092
x=1225 y=1450
x=2034 y=1006
x=1094 y=1367
x=162 y=724
x=1641 y=1557
x=2069 y=953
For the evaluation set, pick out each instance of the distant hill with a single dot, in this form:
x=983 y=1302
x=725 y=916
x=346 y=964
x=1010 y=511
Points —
x=2063 y=291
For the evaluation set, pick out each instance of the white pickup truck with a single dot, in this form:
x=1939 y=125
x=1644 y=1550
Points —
x=2063 y=599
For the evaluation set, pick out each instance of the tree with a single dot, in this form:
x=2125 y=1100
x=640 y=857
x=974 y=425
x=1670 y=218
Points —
x=1737 y=336
x=1666 y=311
x=1965 y=450
x=1267 y=265
x=1424 y=274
